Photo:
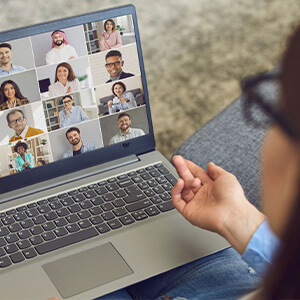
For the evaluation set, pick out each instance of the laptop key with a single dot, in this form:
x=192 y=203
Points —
x=11 y=248
x=107 y=206
x=86 y=204
x=14 y=227
x=140 y=215
x=112 y=187
x=2 y=252
x=74 y=208
x=36 y=230
x=134 y=197
x=47 y=236
x=11 y=212
x=32 y=212
x=121 y=211
x=60 y=231
x=24 y=234
x=66 y=240
x=35 y=240
x=138 y=205
x=21 y=208
x=96 y=210
x=17 y=257
x=29 y=253
x=20 y=216
x=4 y=231
x=125 y=183
x=8 y=220
x=165 y=206
x=28 y=223
x=48 y=226
x=12 y=238
x=23 y=244
x=2 y=242
x=97 y=201
x=55 y=205
x=72 y=218
x=114 y=224
x=62 y=212
x=44 y=209
x=96 y=220
x=84 y=214
x=171 y=179
x=126 y=220
x=101 y=191
x=73 y=227
x=51 y=216
x=78 y=198
x=103 y=228
x=84 y=224
x=118 y=203
x=152 y=211
x=5 y=262
x=108 y=197
x=108 y=216
x=90 y=194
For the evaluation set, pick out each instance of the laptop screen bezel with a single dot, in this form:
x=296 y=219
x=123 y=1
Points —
x=136 y=146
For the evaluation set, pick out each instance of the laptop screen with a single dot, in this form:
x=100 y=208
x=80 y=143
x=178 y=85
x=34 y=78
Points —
x=72 y=94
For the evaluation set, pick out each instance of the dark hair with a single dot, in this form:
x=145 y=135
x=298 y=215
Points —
x=72 y=129
x=67 y=96
x=282 y=281
x=112 y=53
x=20 y=144
x=112 y=21
x=71 y=75
x=5 y=45
x=57 y=31
x=119 y=83
x=123 y=115
x=16 y=87
x=13 y=112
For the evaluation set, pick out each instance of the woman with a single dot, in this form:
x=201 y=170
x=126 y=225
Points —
x=71 y=114
x=111 y=38
x=65 y=81
x=11 y=95
x=123 y=100
x=24 y=161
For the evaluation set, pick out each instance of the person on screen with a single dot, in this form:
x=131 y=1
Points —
x=11 y=96
x=123 y=100
x=78 y=145
x=110 y=38
x=61 y=50
x=16 y=121
x=24 y=160
x=6 y=67
x=125 y=132
x=71 y=114
x=114 y=65
x=65 y=81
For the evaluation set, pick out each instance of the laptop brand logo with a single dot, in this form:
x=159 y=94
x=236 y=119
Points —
x=126 y=145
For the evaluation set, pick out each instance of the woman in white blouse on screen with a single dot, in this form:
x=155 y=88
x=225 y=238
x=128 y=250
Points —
x=65 y=81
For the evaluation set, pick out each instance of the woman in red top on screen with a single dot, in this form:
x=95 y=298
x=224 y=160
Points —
x=11 y=96
x=110 y=38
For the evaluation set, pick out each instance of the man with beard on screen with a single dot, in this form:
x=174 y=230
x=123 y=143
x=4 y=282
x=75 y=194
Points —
x=61 y=50
x=78 y=145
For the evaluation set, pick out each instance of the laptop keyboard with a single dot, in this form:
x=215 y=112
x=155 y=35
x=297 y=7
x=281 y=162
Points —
x=65 y=219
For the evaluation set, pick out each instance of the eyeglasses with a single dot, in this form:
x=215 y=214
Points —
x=116 y=63
x=67 y=101
x=19 y=120
x=261 y=105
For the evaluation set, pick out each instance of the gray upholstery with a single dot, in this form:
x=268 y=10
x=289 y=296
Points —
x=229 y=142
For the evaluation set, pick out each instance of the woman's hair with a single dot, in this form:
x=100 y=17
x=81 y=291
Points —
x=17 y=90
x=282 y=281
x=113 y=23
x=119 y=83
x=71 y=75
x=20 y=144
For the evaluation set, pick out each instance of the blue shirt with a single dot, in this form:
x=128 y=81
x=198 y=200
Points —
x=19 y=162
x=86 y=147
x=76 y=116
x=261 y=249
x=118 y=106
x=14 y=69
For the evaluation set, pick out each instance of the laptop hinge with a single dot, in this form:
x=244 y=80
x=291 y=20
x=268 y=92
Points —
x=68 y=178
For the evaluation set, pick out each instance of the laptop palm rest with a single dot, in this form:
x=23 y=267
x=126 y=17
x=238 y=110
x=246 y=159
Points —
x=86 y=270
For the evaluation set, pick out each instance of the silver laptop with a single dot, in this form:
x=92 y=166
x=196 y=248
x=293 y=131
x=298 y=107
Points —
x=85 y=196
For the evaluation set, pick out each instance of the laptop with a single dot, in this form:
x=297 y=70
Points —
x=85 y=204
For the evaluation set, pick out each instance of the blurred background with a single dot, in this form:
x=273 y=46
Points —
x=195 y=51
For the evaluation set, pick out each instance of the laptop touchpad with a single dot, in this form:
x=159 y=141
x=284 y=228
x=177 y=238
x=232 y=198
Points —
x=86 y=270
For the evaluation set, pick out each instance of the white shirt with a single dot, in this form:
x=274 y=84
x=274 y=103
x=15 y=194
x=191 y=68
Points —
x=23 y=133
x=57 y=55
x=58 y=88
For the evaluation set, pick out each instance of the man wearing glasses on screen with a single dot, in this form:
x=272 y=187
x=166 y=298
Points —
x=114 y=65
x=16 y=120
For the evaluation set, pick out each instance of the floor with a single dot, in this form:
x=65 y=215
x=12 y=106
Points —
x=195 y=51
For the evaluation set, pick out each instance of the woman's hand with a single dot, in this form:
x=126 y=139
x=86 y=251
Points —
x=215 y=200
x=69 y=90
x=110 y=103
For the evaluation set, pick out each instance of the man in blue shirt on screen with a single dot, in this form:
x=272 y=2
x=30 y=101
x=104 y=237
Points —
x=6 y=67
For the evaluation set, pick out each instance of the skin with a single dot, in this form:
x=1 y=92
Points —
x=9 y=93
x=68 y=105
x=215 y=200
x=19 y=126
x=75 y=140
x=59 y=42
x=114 y=70
x=124 y=124
x=118 y=89
x=62 y=75
x=5 y=58
x=21 y=151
